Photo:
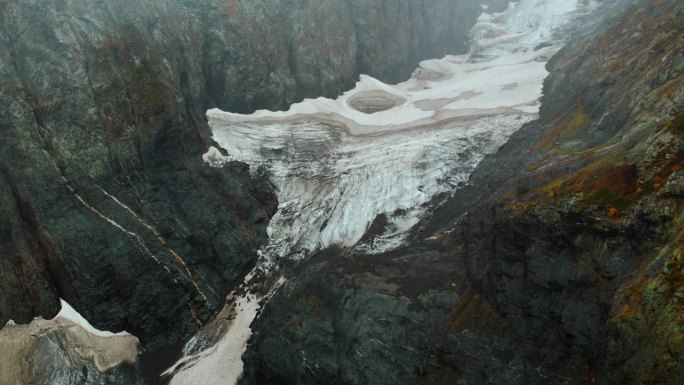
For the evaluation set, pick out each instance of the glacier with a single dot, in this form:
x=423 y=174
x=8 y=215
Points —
x=379 y=155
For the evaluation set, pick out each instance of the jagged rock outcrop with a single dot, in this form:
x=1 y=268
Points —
x=62 y=352
x=104 y=198
x=560 y=263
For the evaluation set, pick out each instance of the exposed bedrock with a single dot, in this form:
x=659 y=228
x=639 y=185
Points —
x=66 y=351
x=104 y=198
x=559 y=263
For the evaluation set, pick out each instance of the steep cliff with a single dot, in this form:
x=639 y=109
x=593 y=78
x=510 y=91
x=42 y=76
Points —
x=559 y=263
x=104 y=198
x=106 y=201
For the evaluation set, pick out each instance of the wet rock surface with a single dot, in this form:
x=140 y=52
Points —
x=559 y=263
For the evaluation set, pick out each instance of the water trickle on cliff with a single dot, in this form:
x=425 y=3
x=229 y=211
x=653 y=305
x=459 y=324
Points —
x=377 y=156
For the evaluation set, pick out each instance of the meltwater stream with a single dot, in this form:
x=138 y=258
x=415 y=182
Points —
x=376 y=156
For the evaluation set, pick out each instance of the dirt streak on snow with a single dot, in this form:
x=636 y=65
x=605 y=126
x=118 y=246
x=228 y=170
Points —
x=221 y=363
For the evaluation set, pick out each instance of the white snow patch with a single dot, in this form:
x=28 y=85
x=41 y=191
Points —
x=214 y=157
x=221 y=363
x=23 y=345
x=68 y=312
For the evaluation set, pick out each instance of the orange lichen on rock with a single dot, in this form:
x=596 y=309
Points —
x=613 y=212
x=626 y=311
x=520 y=206
x=473 y=312
x=614 y=186
x=566 y=127
x=231 y=7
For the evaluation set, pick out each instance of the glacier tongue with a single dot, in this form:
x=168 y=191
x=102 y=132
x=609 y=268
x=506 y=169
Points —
x=333 y=185
x=379 y=152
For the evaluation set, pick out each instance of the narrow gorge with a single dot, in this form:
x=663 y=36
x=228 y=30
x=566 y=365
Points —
x=352 y=192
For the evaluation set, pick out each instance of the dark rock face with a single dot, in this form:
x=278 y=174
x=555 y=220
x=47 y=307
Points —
x=106 y=202
x=560 y=263
x=104 y=199
x=421 y=29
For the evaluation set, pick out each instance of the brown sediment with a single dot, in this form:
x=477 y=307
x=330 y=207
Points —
x=438 y=104
x=423 y=76
x=370 y=102
x=354 y=128
x=431 y=75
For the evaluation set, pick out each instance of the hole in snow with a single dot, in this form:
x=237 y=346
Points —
x=370 y=102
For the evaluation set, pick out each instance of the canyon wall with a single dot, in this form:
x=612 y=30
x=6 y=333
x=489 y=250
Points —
x=104 y=198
